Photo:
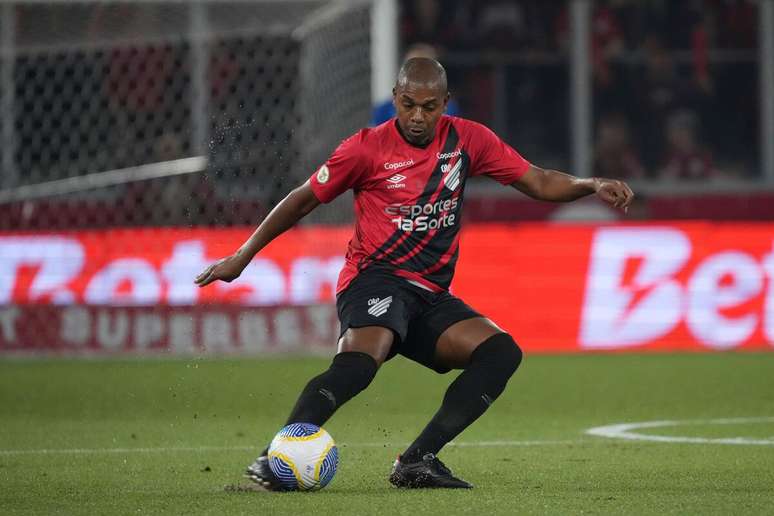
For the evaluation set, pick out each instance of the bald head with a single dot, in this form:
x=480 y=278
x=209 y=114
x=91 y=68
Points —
x=423 y=72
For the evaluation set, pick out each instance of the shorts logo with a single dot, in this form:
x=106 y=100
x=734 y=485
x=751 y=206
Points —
x=323 y=174
x=377 y=307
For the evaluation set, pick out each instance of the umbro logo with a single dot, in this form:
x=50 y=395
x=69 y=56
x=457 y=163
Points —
x=377 y=307
x=396 y=181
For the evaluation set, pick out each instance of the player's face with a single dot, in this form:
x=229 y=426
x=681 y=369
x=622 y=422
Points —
x=418 y=108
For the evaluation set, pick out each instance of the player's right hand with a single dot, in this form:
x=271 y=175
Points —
x=227 y=269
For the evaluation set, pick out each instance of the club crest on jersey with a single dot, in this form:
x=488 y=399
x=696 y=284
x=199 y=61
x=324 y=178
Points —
x=377 y=307
x=323 y=174
x=452 y=178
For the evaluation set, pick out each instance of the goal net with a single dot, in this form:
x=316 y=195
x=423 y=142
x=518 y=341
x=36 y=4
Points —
x=257 y=93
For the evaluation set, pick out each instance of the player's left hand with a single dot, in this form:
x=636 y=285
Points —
x=614 y=192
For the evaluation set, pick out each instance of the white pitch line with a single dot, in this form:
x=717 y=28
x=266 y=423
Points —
x=173 y=449
x=625 y=431
x=85 y=451
x=517 y=443
x=464 y=444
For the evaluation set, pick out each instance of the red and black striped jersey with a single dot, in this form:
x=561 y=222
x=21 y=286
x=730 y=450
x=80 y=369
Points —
x=408 y=200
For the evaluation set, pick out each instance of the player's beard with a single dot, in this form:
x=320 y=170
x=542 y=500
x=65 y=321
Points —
x=419 y=139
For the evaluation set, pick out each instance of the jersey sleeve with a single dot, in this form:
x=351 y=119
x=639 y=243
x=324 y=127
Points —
x=493 y=157
x=341 y=171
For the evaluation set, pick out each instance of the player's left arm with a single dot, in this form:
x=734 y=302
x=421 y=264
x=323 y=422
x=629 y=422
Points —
x=552 y=185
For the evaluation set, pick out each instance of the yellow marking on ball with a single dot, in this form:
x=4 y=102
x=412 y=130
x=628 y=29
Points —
x=303 y=437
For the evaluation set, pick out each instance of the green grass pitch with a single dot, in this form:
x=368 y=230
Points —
x=165 y=436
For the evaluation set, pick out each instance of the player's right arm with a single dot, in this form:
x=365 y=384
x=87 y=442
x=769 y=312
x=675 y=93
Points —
x=341 y=172
x=295 y=206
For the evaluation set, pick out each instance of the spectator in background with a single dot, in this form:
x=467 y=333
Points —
x=428 y=21
x=686 y=158
x=656 y=93
x=386 y=109
x=614 y=155
x=606 y=40
x=702 y=36
x=607 y=44
x=502 y=26
x=740 y=24
x=168 y=146
x=678 y=19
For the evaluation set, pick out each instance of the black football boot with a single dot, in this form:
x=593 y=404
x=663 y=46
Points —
x=428 y=473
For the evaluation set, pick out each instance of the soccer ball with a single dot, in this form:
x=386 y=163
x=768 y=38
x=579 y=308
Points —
x=303 y=457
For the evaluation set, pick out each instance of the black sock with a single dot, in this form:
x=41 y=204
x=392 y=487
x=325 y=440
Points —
x=470 y=394
x=349 y=373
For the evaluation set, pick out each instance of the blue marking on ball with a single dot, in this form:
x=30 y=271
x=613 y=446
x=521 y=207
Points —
x=329 y=466
x=299 y=430
x=283 y=472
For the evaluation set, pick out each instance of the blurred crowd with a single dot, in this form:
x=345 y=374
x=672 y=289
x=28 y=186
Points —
x=675 y=83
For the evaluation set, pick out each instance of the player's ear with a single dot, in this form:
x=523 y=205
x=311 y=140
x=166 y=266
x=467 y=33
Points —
x=446 y=101
x=394 y=98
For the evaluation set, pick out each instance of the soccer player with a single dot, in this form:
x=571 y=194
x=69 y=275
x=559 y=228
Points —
x=408 y=176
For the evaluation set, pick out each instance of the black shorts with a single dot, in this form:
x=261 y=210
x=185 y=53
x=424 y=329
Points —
x=415 y=315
